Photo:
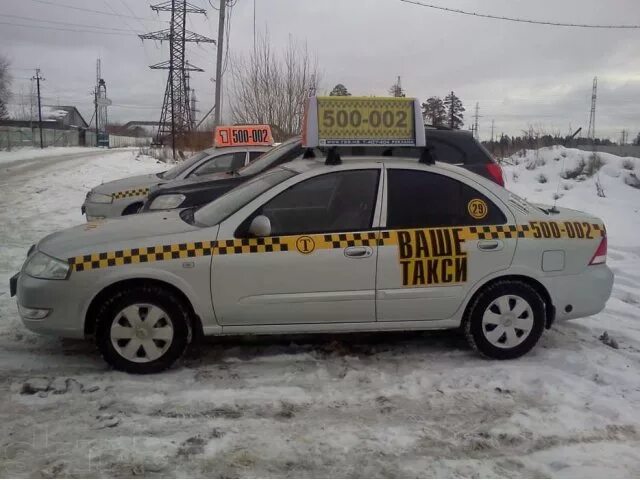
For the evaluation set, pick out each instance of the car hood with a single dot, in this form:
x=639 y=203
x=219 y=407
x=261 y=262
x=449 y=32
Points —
x=123 y=232
x=139 y=181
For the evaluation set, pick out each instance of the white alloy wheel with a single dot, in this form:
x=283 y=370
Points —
x=507 y=321
x=141 y=333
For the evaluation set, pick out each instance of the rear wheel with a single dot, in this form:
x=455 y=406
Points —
x=505 y=320
x=142 y=330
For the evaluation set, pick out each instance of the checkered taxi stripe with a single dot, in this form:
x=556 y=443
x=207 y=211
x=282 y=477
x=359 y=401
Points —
x=136 y=192
x=300 y=244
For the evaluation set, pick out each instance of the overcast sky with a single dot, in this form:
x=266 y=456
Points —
x=520 y=74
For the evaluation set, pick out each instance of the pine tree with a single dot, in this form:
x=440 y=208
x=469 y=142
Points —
x=637 y=141
x=339 y=91
x=434 y=111
x=455 y=111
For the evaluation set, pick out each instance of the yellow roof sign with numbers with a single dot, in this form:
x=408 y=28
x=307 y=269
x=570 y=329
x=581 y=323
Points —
x=338 y=121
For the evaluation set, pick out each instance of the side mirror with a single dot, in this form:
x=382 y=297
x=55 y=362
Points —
x=260 y=226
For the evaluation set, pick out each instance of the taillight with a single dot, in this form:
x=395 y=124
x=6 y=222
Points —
x=495 y=172
x=601 y=253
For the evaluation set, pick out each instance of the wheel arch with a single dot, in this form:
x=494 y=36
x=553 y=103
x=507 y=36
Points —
x=107 y=291
x=132 y=208
x=550 y=310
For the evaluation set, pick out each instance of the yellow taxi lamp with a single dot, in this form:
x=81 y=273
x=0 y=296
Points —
x=358 y=121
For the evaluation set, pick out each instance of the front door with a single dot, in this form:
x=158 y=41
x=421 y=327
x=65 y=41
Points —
x=318 y=265
x=443 y=234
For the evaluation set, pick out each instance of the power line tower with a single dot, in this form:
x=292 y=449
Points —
x=194 y=109
x=175 y=119
x=476 y=116
x=591 y=132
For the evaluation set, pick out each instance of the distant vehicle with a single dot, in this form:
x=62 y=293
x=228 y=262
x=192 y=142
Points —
x=126 y=196
x=323 y=245
x=447 y=146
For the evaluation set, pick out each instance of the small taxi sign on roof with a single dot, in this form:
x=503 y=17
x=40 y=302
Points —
x=353 y=121
x=243 y=136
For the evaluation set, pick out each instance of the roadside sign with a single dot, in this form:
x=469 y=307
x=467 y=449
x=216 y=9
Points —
x=335 y=121
x=243 y=135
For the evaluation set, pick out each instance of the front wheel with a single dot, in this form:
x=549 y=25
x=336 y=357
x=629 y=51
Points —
x=142 y=330
x=505 y=320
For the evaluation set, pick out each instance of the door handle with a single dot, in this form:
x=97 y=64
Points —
x=490 y=245
x=358 y=252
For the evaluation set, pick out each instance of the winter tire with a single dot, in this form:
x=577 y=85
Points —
x=505 y=320
x=143 y=329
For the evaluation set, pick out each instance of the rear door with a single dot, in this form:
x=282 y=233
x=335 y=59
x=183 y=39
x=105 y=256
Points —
x=443 y=234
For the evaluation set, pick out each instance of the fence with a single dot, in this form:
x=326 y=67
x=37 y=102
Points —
x=21 y=137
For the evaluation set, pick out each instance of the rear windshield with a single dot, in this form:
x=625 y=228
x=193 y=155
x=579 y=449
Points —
x=269 y=158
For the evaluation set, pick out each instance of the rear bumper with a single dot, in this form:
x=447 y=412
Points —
x=581 y=295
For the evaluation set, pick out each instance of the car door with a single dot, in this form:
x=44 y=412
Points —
x=443 y=234
x=318 y=264
x=222 y=163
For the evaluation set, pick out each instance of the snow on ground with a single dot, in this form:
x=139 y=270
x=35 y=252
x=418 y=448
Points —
x=28 y=154
x=396 y=405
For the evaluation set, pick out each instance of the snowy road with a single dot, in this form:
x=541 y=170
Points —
x=400 y=405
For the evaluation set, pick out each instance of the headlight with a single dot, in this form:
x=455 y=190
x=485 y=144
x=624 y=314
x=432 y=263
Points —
x=167 y=202
x=100 y=198
x=40 y=265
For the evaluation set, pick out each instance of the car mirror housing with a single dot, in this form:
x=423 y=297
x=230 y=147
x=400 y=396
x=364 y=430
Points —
x=260 y=226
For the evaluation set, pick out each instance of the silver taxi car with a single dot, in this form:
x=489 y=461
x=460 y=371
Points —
x=127 y=195
x=368 y=244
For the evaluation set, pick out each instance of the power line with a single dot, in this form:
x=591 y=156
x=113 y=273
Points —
x=101 y=12
x=31 y=19
x=519 y=20
x=43 y=27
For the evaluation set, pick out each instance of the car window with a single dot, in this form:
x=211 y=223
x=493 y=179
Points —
x=418 y=199
x=254 y=155
x=182 y=167
x=333 y=202
x=221 y=163
x=445 y=152
x=229 y=203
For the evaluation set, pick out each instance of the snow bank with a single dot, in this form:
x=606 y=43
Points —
x=26 y=154
x=568 y=177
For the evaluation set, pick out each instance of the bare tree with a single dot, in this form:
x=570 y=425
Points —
x=5 y=86
x=272 y=88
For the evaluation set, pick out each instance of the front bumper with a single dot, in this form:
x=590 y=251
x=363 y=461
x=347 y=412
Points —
x=65 y=316
x=582 y=295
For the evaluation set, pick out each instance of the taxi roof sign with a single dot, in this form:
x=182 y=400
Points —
x=243 y=136
x=354 y=121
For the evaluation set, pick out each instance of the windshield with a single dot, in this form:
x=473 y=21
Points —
x=263 y=162
x=183 y=166
x=228 y=204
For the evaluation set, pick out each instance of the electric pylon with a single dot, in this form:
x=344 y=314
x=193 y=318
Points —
x=591 y=133
x=175 y=119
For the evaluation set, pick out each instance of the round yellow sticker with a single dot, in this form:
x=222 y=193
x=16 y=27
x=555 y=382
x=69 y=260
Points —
x=305 y=245
x=477 y=208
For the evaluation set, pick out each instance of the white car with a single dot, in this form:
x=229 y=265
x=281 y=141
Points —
x=366 y=244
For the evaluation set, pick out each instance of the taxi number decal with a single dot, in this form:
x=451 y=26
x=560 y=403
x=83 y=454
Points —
x=477 y=208
x=566 y=230
x=432 y=257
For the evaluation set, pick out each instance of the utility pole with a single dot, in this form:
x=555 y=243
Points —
x=95 y=113
x=493 y=125
x=218 y=100
x=38 y=78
